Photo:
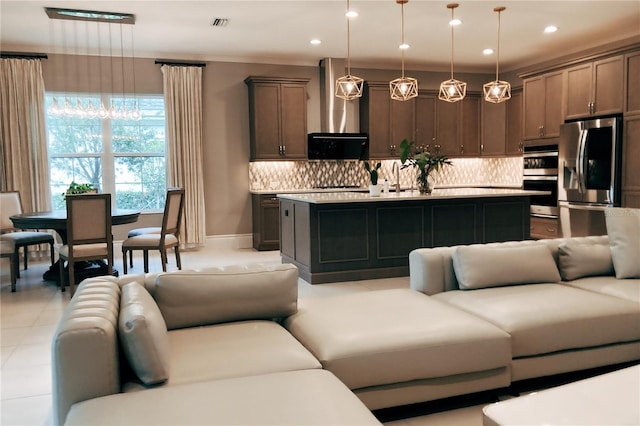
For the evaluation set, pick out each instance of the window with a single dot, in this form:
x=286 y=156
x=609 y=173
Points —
x=121 y=157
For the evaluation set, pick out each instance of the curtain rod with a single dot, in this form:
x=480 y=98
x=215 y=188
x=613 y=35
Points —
x=23 y=55
x=180 y=63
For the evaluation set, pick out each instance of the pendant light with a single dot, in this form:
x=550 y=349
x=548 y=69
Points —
x=497 y=91
x=403 y=88
x=452 y=90
x=349 y=87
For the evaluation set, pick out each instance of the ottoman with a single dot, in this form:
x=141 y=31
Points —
x=397 y=347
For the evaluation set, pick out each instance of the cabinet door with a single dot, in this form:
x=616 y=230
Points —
x=494 y=132
x=403 y=124
x=270 y=212
x=533 y=107
x=426 y=122
x=293 y=106
x=514 y=124
x=552 y=105
x=631 y=154
x=379 y=110
x=447 y=129
x=470 y=120
x=266 y=121
x=579 y=91
x=608 y=86
x=287 y=224
x=632 y=101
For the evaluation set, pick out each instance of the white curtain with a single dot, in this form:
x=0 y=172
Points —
x=183 y=104
x=24 y=165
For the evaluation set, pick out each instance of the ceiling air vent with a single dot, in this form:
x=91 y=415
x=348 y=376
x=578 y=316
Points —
x=220 y=22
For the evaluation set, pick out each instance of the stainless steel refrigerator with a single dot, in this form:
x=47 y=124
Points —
x=589 y=174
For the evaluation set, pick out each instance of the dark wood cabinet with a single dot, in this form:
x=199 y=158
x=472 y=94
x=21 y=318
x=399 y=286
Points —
x=458 y=127
x=543 y=227
x=630 y=161
x=426 y=122
x=278 y=118
x=632 y=83
x=494 y=128
x=266 y=221
x=595 y=88
x=375 y=119
x=514 y=143
x=543 y=107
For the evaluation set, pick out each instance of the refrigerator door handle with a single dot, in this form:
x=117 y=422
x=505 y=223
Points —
x=580 y=166
x=589 y=207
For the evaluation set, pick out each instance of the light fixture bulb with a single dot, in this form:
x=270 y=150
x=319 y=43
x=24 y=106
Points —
x=349 y=87
x=452 y=90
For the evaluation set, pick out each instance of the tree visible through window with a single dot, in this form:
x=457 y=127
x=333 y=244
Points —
x=122 y=157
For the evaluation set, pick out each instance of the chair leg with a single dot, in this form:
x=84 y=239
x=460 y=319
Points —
x=12 y=268
x=61 y=267
x=124 y=260
x=176 y=249
x=52 y=252
x=130 y=258
x=16 y=261
x=145 y=255
x=72 y=278
x=163 y=259
x=26 y=256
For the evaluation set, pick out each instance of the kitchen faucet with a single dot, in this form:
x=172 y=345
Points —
x=396 y=169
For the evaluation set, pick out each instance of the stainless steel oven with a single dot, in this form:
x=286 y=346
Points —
x=541 y=174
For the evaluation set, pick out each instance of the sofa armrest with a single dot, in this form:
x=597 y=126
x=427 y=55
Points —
x=431 y=270
x=84 y=352
x=235 y=293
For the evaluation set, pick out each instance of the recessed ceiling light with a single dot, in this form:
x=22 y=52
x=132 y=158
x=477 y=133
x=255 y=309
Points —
x=351 y=14
x=487 y=52
x=455 y=22
x=550 y=29
x=315 y=41
x=404 y=46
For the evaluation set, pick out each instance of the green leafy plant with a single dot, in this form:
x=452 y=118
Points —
x=424 y=161
x=373 y=171
x=79 y=188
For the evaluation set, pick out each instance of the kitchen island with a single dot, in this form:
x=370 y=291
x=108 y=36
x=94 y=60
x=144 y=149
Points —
x=343 y=236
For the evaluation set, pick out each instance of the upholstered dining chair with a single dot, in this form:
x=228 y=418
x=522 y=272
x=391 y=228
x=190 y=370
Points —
x=11 y=204
x=89 y=235
x=147 y=230
x=7 y=250
x=167 y=238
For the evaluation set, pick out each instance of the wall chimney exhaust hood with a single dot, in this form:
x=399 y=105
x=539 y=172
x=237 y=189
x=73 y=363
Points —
x=336 y=115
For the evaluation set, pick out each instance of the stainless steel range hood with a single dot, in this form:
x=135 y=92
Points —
x=336 y=115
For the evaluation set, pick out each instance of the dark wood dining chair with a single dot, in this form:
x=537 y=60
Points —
x=89 y=235
x=167 y=238
x=12 y=205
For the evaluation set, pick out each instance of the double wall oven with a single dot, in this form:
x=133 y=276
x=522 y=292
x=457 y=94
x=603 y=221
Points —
x=541 y=174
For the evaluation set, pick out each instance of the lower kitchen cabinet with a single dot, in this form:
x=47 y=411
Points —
x=543 y=227
x=266 y=221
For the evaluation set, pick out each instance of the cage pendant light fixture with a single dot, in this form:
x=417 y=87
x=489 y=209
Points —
x=452 y=90
x=349 y=87
x=403 y=88
x=497 y=91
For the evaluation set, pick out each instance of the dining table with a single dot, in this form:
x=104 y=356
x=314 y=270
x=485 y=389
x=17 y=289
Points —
x=57 y=220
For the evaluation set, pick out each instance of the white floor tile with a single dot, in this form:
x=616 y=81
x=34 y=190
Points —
x=13 y=336
x=31 y=411
x=25 y=381
x=29 y=355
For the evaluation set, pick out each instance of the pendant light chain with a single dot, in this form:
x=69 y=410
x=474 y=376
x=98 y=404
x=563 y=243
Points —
x=497 y=91
x=452 y=90
x=349 y=87
x=348 y=40
x=402 y=37
x=451 y=25
x=498 y=47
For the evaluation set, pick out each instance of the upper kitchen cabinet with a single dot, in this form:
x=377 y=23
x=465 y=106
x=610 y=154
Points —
x=595 y=88
x=426 y=122
x=632 y=100
x=494 y=128
x=542 y=108
x=458 y=127
x=278 y=117
x=386 y=121
x=514 y=145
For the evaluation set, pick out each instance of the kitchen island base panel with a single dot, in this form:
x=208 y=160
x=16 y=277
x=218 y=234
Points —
x=346 y=241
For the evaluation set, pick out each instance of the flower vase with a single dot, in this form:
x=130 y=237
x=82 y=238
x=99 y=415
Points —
x=425 y=182
x=374 y=190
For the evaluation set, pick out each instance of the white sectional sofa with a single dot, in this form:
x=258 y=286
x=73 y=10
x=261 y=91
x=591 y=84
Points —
x=192 y=347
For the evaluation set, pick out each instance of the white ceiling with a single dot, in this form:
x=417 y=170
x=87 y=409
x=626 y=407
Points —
x=279 y=31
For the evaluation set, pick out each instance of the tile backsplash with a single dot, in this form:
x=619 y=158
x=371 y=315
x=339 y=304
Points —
x=288 y=175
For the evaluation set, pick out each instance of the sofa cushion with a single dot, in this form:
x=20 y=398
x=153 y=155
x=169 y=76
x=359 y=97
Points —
x=235 y=293
x=482 y=266
x=143 y=335
x=396 y=336
x=628 y=289
x=235 y=349
x=547 y=318
x=623 y=228
x=577 y=260
x=309 y=397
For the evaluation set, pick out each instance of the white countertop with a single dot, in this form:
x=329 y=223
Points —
x=437 y=194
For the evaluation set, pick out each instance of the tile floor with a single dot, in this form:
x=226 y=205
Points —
x=28 y=319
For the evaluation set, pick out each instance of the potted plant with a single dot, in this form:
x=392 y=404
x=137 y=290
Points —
x=374 y=189
x=79 y=188
x=424 y=161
